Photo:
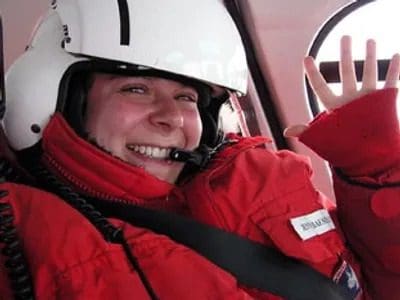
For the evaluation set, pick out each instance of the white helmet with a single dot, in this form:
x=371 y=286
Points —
x=190 y=38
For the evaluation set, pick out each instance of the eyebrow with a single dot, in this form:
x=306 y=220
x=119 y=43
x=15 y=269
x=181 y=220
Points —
x=151 y=79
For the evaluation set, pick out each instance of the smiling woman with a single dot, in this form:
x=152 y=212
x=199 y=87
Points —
x=140 y=119
x=113 y=118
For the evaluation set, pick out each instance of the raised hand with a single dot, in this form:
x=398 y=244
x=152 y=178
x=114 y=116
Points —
x=350 y=91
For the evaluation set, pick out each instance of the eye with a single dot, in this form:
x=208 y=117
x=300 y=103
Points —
x=188 y=98
x=134 y=89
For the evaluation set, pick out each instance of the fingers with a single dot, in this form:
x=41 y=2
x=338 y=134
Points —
x=348 y=75
x=346 y=67
x=294 y=131
x=317 y=82
x=392 y=75
x=370 y=73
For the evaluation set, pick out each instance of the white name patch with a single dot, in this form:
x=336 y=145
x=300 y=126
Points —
x=313 y=224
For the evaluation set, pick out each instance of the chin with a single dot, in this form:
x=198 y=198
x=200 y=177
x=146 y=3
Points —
x=168 y=177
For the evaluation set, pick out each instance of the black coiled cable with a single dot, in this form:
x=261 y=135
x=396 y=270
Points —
x=109 y=231
x=10 y=245
x=7 y=172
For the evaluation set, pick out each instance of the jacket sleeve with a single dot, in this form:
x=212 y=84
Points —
x=361 y=141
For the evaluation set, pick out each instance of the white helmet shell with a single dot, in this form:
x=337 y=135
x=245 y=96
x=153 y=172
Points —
x=192 y=38
x=32 y=84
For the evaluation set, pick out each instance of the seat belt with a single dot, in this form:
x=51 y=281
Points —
x=252 y=264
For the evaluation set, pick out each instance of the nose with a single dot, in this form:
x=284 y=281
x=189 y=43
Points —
x=167 y=114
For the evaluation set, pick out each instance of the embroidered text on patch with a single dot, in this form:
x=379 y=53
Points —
x=313 y=224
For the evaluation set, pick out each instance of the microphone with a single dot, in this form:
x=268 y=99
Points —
x=198 y=157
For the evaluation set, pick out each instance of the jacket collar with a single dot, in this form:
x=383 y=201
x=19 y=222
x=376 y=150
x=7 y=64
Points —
x=97 y=173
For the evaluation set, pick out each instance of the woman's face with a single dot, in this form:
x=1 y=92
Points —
x=139 y=119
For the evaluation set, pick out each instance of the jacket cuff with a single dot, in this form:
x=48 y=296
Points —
x=361 y=138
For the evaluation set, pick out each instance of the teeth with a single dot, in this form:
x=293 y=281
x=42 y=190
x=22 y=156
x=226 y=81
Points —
x=149 y=151
x=142 y=149
x=155 y=152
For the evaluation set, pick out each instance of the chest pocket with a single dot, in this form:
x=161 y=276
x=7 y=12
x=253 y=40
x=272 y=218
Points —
x=300 y=227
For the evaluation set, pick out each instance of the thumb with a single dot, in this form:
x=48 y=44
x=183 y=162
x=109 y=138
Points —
x=294 y=131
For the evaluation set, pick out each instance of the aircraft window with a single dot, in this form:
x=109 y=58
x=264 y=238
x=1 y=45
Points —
x=258 y=98
x=361 y=20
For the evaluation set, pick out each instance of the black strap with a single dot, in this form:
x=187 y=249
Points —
x=252 y=264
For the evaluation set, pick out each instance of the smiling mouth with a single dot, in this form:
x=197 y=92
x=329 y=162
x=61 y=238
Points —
x=150 y=151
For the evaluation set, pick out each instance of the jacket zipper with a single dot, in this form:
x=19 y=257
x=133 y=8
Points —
x=91 y=192
x=79 y=185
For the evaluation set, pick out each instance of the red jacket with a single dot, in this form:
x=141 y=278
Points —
x=245 y=189
x=368 y=196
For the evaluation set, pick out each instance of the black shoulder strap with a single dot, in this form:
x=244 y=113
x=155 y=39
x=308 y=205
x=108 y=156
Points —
x=252 y=264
